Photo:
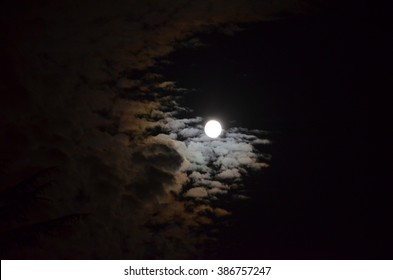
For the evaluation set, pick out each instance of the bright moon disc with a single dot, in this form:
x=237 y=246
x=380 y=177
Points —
x=213 y=129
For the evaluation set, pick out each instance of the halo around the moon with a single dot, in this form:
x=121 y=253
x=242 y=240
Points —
x=213 y=129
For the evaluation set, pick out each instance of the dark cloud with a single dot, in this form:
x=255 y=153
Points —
x=157 y=166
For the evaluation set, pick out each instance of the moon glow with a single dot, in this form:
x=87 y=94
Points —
x=213 y=129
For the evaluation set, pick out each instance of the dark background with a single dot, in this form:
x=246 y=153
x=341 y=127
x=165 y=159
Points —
x=308 y=82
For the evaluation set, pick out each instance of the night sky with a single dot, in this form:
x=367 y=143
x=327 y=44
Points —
x=103 y=153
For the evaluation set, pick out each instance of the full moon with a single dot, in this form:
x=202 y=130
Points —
x=213 y=129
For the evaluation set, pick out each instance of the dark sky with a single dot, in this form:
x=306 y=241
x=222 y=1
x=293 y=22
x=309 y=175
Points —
x=103 y=154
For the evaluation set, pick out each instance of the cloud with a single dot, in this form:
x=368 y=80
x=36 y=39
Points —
x=219 y=212
x=190 y=132
x=216 y=191
x=166 y=85
x=196 y=192
x=261 y=141
x=229 y=174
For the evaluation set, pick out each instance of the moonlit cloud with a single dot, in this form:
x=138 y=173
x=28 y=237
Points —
x=212 y=164
x=196 y=192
